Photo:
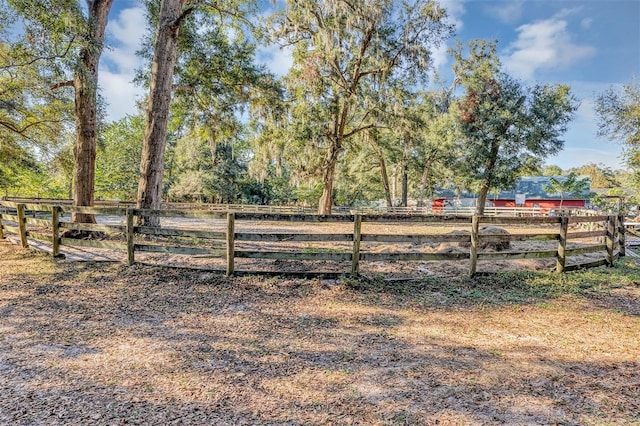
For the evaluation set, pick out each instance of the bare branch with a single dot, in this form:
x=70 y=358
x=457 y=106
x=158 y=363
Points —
x=69 y=83
x=359 y=129
x=42 y=58
x=184 y=15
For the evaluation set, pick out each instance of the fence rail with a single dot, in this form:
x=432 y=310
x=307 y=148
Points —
x=228 y=242
x=450 y=210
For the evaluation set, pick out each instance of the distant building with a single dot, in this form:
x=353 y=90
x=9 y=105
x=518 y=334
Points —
x=528 y=192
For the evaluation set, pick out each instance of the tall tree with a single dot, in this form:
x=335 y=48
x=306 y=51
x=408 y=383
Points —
x=69 y=40
x=208 y=74
x=155 y=134
x=32 y=117
x=434 y=150
x=85 y=84
x=505 y=126
x=339 y=46
x=117 y=164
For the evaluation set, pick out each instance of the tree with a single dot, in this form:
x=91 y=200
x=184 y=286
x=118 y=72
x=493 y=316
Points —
x=33 y=118
x=434 y=152
x=619 y=118
x=504 y=126
x=157 y=114
x=193 y=58
x=551 y=170
x=571 y=184
x=339 y=47
x=600 y=176
x=68 y=40
x=117 y=165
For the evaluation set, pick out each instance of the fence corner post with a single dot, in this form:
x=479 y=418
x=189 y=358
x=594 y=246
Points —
x=55 y=230
x=473 y=248
x=611 y=239
x=22 y=225
x=357 y=236
x=621 y=236
x=130 y=238
x=231 y=217
x=561 y=259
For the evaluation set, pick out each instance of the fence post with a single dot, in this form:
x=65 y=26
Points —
x=621 y=236
x=231 y=218
x=561 y=259
x=357 y=235
x=473 y=250
x=611 y=238
x=22 y=225
x=55 y=230
x=130 y=239
x=1 y=229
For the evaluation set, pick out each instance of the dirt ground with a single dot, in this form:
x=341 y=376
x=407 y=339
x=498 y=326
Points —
x=105 y=344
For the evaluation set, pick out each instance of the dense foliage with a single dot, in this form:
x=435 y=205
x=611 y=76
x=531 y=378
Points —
x=358 y=118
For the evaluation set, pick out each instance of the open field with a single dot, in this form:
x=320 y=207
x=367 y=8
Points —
x=96 y=343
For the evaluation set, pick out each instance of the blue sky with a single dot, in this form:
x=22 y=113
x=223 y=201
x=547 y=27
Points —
x=590 y=45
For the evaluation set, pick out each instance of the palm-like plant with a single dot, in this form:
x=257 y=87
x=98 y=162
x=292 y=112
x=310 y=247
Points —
x=569 y=185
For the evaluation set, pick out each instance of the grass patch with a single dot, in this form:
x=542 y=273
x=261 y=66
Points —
x=514 y=287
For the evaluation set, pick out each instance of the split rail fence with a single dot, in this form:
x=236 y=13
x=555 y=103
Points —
x=46 y=223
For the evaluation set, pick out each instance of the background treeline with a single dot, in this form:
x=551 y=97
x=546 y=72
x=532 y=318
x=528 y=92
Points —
x=360 y=116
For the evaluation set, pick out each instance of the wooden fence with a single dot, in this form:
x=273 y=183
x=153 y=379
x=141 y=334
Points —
x=301 y=209
x=218 y=235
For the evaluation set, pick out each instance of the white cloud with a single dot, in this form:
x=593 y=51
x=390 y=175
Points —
x=563 y=13
x=586 y=23
x=544 y=44
x=507 y=12
x=120 y=94
x=278 y=60
x=119 y=62
x=455 y=10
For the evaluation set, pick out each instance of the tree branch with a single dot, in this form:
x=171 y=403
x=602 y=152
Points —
x=63 y=84
x=43 y=58
x=184 y=15
x=358 y=130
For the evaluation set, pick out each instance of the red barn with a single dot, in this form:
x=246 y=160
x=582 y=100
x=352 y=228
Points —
x=528 y=192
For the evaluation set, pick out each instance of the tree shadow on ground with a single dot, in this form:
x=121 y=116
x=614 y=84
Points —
x=149 y=345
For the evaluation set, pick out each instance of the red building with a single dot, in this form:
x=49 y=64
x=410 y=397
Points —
x=528 y=192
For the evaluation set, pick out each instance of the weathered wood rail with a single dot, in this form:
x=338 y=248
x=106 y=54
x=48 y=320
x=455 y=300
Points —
x=301 y=209
x=217 y=236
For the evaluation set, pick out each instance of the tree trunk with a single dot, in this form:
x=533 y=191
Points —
x=405 y=175
x=326 y=200
x=155 y=134
x=482 y=198
x=488 y=180
x=385 y=180
x=423 y=184
x=85 y=83
x=405 y=186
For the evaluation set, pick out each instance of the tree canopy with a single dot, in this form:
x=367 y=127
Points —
x=618 y=113
x=360 y=116
x=341 y=49
x=505 y=126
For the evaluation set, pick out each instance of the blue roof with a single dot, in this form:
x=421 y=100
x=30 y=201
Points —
x=530 y=186
x=533 y=188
